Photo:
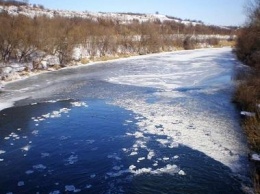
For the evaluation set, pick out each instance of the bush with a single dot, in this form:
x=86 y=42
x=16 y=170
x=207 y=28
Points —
x=213 y=41
x=189 y=43
x=247 y=94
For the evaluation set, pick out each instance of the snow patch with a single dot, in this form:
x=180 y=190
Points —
x=248 y=114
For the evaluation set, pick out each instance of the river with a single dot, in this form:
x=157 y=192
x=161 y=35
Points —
x=161 y=123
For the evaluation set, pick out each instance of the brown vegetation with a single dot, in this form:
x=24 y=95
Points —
x=248 y=92
x=21 y=37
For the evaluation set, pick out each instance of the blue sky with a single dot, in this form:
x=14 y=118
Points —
x=218 y=12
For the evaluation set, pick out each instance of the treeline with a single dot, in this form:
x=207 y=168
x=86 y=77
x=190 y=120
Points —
x=248 y=92
x=22 y=38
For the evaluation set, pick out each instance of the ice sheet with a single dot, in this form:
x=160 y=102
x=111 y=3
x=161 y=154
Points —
x=179 y=76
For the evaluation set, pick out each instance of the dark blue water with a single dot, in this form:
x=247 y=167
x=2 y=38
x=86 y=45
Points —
x=72 y=149
x=80 y=149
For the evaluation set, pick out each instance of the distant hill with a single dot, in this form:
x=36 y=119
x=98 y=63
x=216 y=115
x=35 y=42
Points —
x=22 y=7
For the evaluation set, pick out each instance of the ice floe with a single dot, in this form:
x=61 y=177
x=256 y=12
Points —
x=26 y=148
x=116 y=168
x=39 y=167
x=44 y=155
x=181 y=172
x=140 y=159
x=168 y=169
x=55 y=192
x=88 y=186
x=79 y=104
x=72 y=159
x=114 y=156
x=64 y=137
x=2 y=151
x=20 y=183
x=90 y=141
x=255 y=157
x=248 y=114
x=29 y=172
x=178 y=126
x=35 y=132
x=57 y=113
x=71 y=188
x=178 y=115
x=133 y=153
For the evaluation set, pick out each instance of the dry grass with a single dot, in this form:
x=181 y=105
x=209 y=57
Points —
x=106 y=58
x=252 y=129
x=248 y=98
x=224 y=43
x=84 y=60
x=248 y=94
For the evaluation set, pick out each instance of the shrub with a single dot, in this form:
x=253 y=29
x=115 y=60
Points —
x=189 y=43
x=84 y=60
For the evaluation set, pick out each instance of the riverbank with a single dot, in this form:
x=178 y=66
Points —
x=247 y=98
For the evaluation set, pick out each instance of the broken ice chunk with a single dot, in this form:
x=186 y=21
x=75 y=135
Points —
x=35 y=132
x=55 y=192
x=116 y=168
x=133 y=153
x=88 y=186
x=2 y=151
x=72 y=159
x=79 y=104
x=26 y=148
x=39 y=167
x=132 y=167
x=150 y=155
x=182 y=173
x=140 y=159
x=29 y=172
x=70 y=188
x=45 y=155
x=255 y=157
x=20 y=184
x=248 y=114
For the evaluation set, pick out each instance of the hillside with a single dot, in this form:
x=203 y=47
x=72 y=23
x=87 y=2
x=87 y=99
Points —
x=123 y=18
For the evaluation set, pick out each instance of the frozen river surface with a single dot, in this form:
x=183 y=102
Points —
x=162 y=123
